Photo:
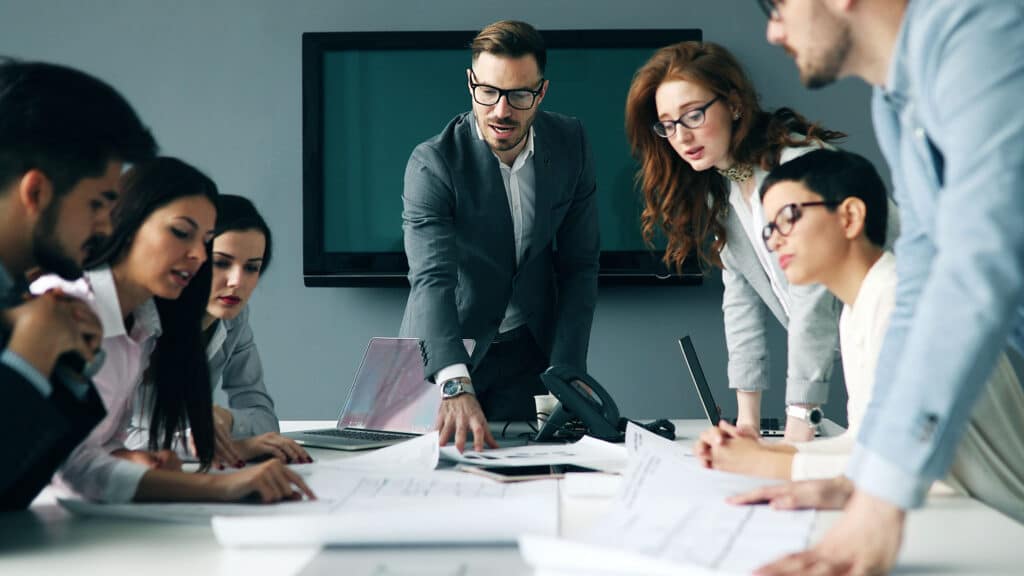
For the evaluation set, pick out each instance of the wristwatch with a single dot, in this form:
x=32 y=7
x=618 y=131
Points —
x=811 y=415
x=456 y=387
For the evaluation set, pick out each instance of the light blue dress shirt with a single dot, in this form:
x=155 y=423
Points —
x=950 y=125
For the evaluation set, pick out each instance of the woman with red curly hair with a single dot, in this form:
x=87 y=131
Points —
x=704 y=146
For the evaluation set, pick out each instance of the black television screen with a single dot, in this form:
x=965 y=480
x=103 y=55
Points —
x=370 y=97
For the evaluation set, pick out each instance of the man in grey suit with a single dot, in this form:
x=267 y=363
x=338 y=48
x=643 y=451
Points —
x=486 y=203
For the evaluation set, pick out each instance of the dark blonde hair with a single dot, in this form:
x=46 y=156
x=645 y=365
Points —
x=511 y=38
x=687 y=206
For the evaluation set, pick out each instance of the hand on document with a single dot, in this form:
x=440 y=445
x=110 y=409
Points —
x=271 y=481
x=739 y=450
x=824 y=494
x=460 y=415
x=866 y=540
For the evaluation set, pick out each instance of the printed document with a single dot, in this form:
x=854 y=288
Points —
x=668 y=515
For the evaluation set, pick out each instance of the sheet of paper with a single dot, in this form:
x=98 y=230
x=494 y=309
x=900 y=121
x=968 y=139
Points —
x=191 y=513
x=587 y=451
x=672 y=511
x=590 y=485
x=417 y=454
x=442 y=507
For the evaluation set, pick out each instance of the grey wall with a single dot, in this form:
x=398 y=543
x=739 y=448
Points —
x=219 y=83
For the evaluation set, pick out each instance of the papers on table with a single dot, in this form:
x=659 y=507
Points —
x=444 y=507
x=588 y=451
x=670 y=515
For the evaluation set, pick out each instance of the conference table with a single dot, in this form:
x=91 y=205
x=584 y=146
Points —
x=950 y=535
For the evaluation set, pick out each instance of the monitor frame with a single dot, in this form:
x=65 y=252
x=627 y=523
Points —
x=330 y=269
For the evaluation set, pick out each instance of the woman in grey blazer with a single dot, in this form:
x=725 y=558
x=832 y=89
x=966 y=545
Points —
x=705 y=145
x=248 y=427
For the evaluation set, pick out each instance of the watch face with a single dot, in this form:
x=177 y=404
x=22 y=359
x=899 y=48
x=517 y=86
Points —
x=451 y=387
x=814 y=416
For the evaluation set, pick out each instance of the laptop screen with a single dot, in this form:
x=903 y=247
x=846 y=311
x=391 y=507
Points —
x=699 y=381
x=389 y=391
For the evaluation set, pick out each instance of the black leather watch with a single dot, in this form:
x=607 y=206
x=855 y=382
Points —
x=456 y=387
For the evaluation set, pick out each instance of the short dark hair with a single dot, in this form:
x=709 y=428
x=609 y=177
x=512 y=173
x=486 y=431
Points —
x=511 y=38
x=236 y=213
x=836 y=175
x=64 y=123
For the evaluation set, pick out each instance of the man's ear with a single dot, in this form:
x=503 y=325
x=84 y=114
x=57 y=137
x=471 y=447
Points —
x=35 y=192
x=543 y=92
x=853 y=213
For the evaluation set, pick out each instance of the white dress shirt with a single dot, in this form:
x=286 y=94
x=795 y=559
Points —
x=91 y=471
x=989 y=461
x=862 y=327
x=520 y=189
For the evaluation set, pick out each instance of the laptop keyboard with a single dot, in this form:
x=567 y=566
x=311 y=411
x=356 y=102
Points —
x=358 y=434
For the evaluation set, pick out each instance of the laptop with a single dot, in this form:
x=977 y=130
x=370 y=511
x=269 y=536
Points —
x=390 y=401
x=769 y=426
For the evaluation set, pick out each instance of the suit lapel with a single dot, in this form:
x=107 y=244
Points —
x=543 y=189
x=491 y=202
x=745 y=262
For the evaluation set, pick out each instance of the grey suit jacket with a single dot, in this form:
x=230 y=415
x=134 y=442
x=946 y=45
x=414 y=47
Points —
x=812 y=326
x=235 y=366
x=459 y=241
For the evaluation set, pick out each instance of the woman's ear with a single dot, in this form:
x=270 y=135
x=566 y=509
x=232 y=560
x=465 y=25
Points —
x=735 y=105
x=853 y=215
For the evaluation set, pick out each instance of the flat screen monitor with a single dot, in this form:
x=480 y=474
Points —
x=370 y=97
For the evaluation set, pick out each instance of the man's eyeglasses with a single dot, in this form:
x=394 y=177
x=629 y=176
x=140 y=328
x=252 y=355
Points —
x=786 y=218
x=518 y=98
x=770 y=8
x=692 y=119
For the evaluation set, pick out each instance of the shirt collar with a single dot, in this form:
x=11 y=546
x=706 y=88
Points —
x=108 y=307
x=897 y=83
x=220 y=335
x=524 y=155
x=872 y=287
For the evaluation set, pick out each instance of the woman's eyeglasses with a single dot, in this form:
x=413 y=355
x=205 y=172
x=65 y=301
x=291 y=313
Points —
x=692 y=119
x=786 y=218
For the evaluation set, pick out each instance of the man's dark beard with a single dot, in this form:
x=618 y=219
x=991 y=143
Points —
x=46 y=250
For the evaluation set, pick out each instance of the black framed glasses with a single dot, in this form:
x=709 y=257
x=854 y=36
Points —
x=691 y=119
x=770 y=8
x=518 y=98
x=786 y=218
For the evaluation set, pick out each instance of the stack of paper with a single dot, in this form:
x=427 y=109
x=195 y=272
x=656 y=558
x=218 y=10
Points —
x=670 y=515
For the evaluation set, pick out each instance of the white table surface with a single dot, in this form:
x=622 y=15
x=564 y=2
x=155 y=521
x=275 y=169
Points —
x=951 y=535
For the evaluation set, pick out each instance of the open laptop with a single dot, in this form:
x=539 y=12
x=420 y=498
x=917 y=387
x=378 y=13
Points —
x=389 y=402
x=769 y=426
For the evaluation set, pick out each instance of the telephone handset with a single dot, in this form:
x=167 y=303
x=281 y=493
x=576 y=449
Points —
x=582 y=397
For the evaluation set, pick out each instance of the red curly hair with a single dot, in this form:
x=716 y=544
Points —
x=689 y=207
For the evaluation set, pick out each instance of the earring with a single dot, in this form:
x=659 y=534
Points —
x=736 y=115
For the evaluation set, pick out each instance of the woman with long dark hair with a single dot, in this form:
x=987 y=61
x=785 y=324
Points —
x=248 y=427
x=705 y=145
x=149 y=283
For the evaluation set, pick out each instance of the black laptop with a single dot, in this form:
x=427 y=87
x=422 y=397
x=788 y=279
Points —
x=769 y=426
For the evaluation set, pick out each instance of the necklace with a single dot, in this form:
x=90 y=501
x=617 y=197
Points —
x=738 y=173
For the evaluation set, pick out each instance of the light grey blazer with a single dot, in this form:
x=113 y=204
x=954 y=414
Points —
x=234 y=366
x=812 y=327
x=459 y=241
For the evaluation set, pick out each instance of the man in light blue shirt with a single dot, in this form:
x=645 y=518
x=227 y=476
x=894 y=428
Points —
x=948 y=77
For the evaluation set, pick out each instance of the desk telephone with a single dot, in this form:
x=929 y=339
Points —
x=585 y=408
